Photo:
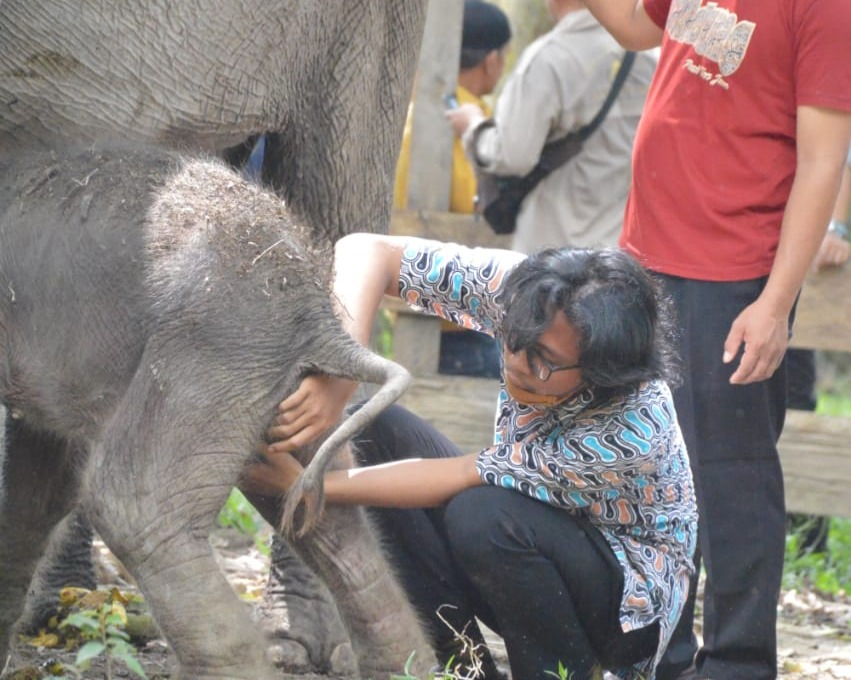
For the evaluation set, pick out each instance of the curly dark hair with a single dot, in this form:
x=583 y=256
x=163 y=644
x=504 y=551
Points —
x=623 y=319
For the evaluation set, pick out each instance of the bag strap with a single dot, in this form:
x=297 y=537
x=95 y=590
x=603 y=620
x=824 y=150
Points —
x=557 y=153
x=614 y=91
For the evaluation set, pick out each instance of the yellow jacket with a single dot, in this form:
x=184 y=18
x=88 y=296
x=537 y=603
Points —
x=463 y=186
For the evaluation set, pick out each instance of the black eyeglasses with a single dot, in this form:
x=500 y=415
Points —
x=542 y=368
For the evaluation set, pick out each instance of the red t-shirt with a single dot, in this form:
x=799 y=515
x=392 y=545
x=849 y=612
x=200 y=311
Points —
x=714 y=154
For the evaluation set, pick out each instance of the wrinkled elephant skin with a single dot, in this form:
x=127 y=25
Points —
x=153 y=312
x=330 y=79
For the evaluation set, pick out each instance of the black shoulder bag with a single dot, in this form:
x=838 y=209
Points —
x=499 y=198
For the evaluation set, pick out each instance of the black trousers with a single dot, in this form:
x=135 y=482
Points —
x=731 y=432
x=546 y=581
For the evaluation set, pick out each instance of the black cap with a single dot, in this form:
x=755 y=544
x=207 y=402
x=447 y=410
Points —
x=486 y=26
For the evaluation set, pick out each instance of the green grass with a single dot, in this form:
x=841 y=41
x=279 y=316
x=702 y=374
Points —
x=833 y=404
x=829 y=573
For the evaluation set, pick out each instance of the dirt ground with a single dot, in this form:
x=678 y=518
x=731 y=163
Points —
x=814 y=633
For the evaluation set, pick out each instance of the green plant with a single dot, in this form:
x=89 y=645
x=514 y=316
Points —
x=828 y=573
x=103 y=635
x=562 y=673
x=406 y=672
x=382 y=333
x=239 y=514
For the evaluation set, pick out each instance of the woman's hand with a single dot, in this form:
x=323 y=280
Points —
x=315 y=407
x=273 y=475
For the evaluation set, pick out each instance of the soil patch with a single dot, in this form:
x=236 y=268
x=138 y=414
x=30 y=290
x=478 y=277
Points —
x=814 y=632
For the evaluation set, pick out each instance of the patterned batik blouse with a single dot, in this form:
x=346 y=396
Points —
x=620 y=464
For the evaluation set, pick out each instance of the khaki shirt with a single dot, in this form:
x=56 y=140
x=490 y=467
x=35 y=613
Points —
x=559 y=85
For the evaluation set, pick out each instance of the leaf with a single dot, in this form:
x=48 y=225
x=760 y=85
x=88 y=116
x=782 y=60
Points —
x=118 y=614
x=116 y=597
x=95 y=599
x=83 y=621
x=89 y=651
x=44 y=639
x=116 y=633
x=71 y=595
x=133 y=664
x=790 y=666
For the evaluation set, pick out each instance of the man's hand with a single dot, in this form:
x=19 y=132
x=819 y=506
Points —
x=464 y=117
x=765 y=335
x=304 y=416
x=833 y=252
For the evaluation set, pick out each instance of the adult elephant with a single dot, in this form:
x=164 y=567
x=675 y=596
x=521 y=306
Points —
x=327 y=82
x=329 y=79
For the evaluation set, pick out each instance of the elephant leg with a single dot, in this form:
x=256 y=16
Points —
x=68 y=563
x=383 y=628
x=167 y=461
x=301 y=611
x=298 y=613
x=39 y=488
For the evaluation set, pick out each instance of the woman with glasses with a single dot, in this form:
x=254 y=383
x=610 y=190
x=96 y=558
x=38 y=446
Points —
x=572 y=534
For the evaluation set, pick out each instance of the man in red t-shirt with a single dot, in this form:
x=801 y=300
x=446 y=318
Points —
x=736 y=167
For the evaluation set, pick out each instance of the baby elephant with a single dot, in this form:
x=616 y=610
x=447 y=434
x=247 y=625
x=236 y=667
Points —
x=153 y=312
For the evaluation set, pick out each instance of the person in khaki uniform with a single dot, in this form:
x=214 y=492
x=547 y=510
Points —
x=557 y=87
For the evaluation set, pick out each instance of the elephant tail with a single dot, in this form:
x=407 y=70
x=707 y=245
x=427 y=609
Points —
x=361 y=364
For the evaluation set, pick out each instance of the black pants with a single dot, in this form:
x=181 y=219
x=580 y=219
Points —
x=543 y=579
x=731 y=432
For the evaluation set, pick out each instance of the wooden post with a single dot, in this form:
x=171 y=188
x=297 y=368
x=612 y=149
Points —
x=431 y=136
x=417 y=338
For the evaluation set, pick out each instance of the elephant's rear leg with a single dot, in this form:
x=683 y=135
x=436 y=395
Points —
x=166 y=465
x=39 y=488
x=298 y=613
x=68 y=563
x=383 y=628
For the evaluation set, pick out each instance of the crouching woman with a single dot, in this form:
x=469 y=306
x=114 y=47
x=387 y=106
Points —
x=572 y=533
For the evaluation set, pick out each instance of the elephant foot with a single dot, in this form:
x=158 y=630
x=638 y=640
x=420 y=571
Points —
x=68 y=564
x=301 y=620
x=293 y=658
x=301 y=646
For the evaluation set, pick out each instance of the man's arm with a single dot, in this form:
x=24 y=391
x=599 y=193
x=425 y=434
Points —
x=822 y=143
x=835 y=249
x=527 y=109
x=628 y=22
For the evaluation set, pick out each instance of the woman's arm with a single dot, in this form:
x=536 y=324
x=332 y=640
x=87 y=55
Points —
x=411 y=483
x=366 y=268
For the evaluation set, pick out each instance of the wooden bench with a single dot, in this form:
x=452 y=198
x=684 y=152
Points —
x=814 y=448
